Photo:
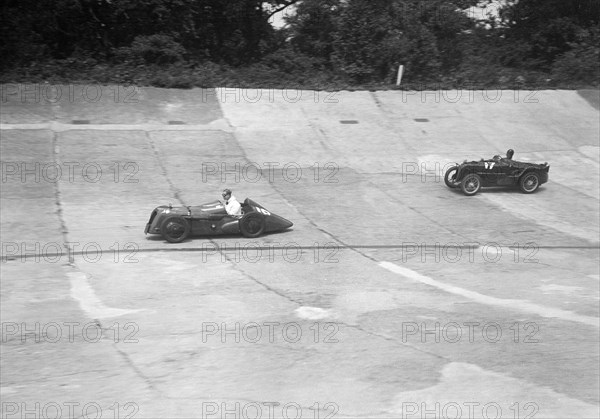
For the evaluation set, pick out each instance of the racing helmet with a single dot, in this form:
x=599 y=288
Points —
x=509 y=153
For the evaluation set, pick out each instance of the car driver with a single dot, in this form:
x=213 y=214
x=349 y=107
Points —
x=232 y=206
x=508 y=159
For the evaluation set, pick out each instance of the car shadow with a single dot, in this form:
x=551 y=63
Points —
x=224 y=237
x=499 y=190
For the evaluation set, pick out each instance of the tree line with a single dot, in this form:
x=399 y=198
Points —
x=183 y=43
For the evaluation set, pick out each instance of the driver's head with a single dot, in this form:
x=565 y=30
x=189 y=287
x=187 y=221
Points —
x=226 y=194
x=509 y=153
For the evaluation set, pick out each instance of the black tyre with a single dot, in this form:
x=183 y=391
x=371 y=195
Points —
x=471 y=184
x=175 y=229
x=529 y=182
x=252 y=224
x=450 y=176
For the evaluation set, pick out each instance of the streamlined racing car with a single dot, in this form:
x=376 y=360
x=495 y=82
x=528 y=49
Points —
x=498 y=171
x=175 y=224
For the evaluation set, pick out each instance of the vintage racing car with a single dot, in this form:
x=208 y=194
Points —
x=498 y=171
x=175 y=224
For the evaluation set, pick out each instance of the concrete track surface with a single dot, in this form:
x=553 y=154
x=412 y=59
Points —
x=392 y=296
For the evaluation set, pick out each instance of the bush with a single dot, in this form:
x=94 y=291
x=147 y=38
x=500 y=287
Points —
x=153 y=49
x=580 y=65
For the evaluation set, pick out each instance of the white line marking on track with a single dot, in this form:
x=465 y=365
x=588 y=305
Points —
x=312 y=313
x=82 y=291
x=521 y=305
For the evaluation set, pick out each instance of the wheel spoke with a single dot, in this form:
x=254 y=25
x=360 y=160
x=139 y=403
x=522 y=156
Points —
x=530 y=183
x=471 y=184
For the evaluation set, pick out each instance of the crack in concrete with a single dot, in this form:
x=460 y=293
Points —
x=390 y=125
x=176 y=191
x=267 y=287
x=64 y=230
x=57 y=195
x=320 y=134
x=281 y=294
x=351 y=326
x=137 y=370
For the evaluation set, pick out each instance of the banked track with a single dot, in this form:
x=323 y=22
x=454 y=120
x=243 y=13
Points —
x=379 y=207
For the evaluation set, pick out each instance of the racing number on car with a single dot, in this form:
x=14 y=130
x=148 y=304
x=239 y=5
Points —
x=489 y=165
x=262 y=210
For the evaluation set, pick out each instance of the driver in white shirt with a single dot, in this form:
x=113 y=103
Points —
x=232 y=206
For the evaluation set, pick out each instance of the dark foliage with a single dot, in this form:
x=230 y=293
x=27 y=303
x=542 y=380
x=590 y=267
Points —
x=333 y=43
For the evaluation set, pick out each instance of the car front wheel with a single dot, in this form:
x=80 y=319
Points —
x=175 y=229
x=450 y=177
x=529 y=182
x=471 y=184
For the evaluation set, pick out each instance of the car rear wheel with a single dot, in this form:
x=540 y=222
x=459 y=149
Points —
x=252 y=224
x=450 y=177
x=471 y=184
x=175 y=229
x=529 y=182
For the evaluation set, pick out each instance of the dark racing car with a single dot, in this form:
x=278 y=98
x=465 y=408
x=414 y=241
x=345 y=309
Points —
x=498 y=171
x=175 y=224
